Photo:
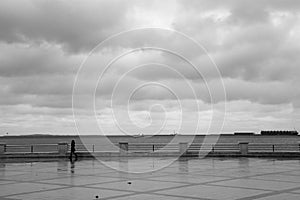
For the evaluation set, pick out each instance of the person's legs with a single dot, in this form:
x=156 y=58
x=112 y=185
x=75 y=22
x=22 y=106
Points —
x=71 y=154
x=75 y=155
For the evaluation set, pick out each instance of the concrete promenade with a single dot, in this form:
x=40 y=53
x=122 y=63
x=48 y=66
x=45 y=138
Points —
x=204 y=179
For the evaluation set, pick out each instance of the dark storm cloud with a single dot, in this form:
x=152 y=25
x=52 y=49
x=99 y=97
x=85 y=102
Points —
x=76 y=25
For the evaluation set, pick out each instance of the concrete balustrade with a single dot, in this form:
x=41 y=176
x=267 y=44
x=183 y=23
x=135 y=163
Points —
x=2 y=148
x=123 y=148
x=149 y=149
x=243 y=147
x=62 y=148
x=183 y=147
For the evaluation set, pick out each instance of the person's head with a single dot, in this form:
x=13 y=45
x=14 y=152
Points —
x=73 y=142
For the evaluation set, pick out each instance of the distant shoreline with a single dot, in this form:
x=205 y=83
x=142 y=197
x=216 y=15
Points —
x=144 y=135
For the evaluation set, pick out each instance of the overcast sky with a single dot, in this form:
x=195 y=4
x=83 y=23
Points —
x=254 y=44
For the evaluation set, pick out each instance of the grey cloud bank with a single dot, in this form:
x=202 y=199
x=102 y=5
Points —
x=255 y=44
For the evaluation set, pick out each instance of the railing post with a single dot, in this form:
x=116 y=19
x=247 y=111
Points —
x=62 y=148
x=183 y=147
x=2 y=148
x=123 y=148
x=243 y=147
x=153 y=148
x=31 y=148
x=273 y=148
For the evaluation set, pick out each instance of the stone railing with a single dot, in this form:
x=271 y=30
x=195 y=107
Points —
x=242 y=148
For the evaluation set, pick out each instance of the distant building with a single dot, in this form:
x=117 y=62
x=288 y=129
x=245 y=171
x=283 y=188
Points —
x=279 y=132
x=244 y=133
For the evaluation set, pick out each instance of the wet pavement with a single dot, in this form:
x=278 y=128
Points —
x=210 y=178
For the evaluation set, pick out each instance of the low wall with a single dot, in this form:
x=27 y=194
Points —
x=181 y=150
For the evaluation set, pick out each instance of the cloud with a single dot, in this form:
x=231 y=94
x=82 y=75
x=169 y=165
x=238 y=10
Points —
x=74 y=25
x=255 y=45
x=263 y=93
x=19 y=60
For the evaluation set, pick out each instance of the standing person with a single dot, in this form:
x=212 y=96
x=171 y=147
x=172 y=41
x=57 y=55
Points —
x=73 y=150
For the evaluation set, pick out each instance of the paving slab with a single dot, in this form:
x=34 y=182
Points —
x=283 y=196
x=257 y=184
x=212 y=192
x=73 y=193
x=139 y=185
x=18 y=188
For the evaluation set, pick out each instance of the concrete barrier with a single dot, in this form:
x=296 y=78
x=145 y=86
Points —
x=244 y=147
x=123 y=148
x=2 y=148
x=183 y=147
x=62 y=148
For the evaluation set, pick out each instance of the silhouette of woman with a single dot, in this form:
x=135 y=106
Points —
x=73 y=150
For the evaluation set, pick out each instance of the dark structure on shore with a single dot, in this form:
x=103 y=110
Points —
x=244 y=133
x=268 y=132
x=275 y=132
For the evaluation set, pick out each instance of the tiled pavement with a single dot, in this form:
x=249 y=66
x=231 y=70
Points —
x=210 y=178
